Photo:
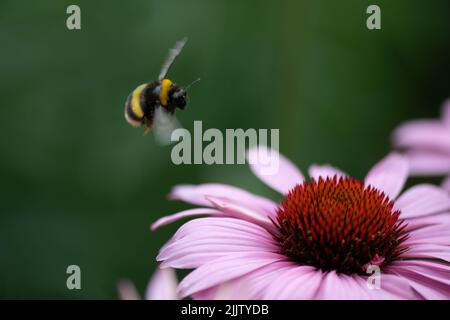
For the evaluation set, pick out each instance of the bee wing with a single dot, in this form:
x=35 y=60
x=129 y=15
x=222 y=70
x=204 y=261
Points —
x=164 y=124
x=173 y=53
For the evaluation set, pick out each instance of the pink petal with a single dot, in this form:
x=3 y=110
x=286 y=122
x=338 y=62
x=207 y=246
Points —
x=341 y=287
x=434 y=234
x=231 y=290
x=224 y=269
x=235 y=225
x=431 y=281
x=259 y=280
x=162 y=285
x=325 y=171
x=208 y=241
x=197 y=195
x=283 y=179
x=428 y=163
x=250 y=286
x=193 y=259
x=344 y=287
x=428 y=251
x=395 y=287
x=241 y=212
x=446 y=184
x=422 y=200
x=297 y=283
x=207 y=294
x=426 y=221
x=235 y=289
x=184 y=214
x=425 y=290
x=423 y=134
x=429 y=292
x=389 y=175
x=427 y=267
x=127 y=290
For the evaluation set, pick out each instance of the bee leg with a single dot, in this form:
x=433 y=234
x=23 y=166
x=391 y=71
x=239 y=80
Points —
x=148 y=127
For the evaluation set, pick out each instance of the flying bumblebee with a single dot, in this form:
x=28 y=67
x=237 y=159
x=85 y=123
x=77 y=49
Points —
x=153 y=104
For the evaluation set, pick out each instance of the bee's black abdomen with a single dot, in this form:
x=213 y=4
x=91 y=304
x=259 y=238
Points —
x=130 y=112
x=150 y=98
x=132 y=118
x=141 y=103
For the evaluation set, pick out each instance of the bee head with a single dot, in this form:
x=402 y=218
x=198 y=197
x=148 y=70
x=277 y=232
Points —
x=178 y=97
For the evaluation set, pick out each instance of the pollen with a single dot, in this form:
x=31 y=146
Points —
x=339 y=224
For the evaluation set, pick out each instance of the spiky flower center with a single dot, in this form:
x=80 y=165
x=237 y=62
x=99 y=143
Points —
x=339 y=224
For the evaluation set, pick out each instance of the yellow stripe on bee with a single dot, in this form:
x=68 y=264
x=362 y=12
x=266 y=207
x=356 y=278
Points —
x=136 y=101
x=166 y=84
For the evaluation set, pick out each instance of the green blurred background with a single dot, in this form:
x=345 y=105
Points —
x=80 y=186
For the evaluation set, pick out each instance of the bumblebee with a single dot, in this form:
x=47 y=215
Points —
x=152 y=102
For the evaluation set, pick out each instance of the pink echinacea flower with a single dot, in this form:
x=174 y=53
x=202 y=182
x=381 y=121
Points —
x=427 y=145
x=321 y=242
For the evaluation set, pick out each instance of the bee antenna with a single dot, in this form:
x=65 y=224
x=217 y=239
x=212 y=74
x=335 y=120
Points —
x=190 y=84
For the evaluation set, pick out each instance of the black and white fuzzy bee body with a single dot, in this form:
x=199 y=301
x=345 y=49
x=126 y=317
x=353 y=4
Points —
x=157 y=99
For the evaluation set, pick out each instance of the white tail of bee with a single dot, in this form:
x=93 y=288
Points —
x=164 y=124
